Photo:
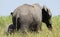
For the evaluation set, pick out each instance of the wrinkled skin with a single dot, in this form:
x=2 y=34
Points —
x=26 y=15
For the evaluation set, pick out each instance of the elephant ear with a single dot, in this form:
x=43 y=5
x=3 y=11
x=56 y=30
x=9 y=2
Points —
x=47 y=11
x=45 y=8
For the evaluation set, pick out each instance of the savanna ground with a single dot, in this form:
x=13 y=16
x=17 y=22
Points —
x=6 y=20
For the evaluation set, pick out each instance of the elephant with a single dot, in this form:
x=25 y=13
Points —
x=31 y=17
x=26 y=15
x=46 y=18
x=11 y=28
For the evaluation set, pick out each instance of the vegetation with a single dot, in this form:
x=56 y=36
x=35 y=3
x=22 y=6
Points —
x=6 y=20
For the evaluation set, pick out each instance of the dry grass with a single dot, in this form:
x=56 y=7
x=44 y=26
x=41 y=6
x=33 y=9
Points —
x=4 y=21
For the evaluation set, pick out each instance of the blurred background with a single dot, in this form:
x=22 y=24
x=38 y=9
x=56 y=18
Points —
x=8 y=6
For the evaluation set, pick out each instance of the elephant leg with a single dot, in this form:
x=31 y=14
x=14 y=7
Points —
x=14 y=22
x=24 y=28
x=40 y=26
x=18 y=24
x=33 y=27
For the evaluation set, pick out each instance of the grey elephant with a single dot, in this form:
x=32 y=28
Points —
x=31 y=17
x=46 y=18
x=25 y=15
x=10 y=29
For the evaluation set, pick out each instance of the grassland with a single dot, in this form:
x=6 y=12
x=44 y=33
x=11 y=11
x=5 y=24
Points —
x=6 y=20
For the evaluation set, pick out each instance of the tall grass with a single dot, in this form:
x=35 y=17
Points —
x=4 y=21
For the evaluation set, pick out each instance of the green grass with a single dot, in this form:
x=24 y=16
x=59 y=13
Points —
x=6 y=20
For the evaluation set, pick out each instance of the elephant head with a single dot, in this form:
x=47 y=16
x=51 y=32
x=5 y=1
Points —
x=46 y=17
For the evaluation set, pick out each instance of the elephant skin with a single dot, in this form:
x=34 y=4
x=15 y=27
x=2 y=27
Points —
x=31 y=17
x=24 y=15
